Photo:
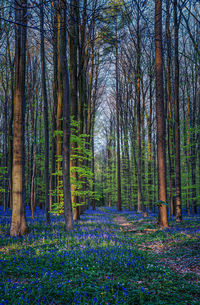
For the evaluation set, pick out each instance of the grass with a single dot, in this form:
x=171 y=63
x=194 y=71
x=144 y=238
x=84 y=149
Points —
x=96 y=263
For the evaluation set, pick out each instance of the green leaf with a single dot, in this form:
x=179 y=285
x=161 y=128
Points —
x=159 y=202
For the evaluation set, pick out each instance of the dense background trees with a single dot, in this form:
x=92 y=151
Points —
x=113 y=79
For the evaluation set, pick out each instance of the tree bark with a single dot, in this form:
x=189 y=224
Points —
x=163 y=219
x=139 y=155
x=34 y=126
x=10 y=131
x=169 y=111
x=149 y=124
x=18 y=222
x=65 y=87
x=74 y=13
x=119 y=207
x=45 y=113
x=177 y=124
x=55 y=104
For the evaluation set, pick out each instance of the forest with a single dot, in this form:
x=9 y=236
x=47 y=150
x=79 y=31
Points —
x=99 y=152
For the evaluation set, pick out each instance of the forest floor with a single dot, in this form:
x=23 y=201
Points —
x=180 y=252
x=109 y=258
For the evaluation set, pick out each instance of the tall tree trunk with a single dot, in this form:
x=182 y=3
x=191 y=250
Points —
x=93 y=172
x=34 y=126
x=55 y=104
x=59 y=111
x=5 y=142
x=169 y=111
x=65 y=87
x=177 y=124
x=188 y=146
x=143 y=175
x=18 y=222
x=74 y=13
x=27 y=152
x=93 y=115
x=163 y=220
x=82 y=83
x=193 y=152
x=139 y=155
x=45 y=114
x=10 y=131
x=149 y=125
x=119 y=207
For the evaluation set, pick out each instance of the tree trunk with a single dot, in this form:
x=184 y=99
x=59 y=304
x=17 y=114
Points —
x=149 y=124
x=119 y=207
x=18 y=223
x=93 y=172
x=139 y=156
x=169 y=111
x=163 y=220
x=193 y=156
x=74 y=13
x=45 y=114
x=5 y=143
x=177 y=124
x=55 y=104
x=34 y=123
x=65 y=87
x=10 y=131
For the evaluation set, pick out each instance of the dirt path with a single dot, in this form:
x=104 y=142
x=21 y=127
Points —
x=122 y=221
x=184 y=264
x=127 y=226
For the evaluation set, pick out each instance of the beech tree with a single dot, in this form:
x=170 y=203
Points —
x=177 y=122
x=64 y=96
x=18 y=224
x=162 y=196
x=45 y=112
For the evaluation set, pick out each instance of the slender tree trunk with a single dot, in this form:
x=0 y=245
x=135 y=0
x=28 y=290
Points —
x=10 y=131
x=139 y=155
x=93 y=115
x=109 y=160
x=18 y=223
x=154 y=171
x=83 y=89
x=169 y=114
x=74 y=13
x=163 y=219
x=27 y=152
x=93 y=172
x=45 y=114
x=119 y=207
x=188 y=150
x=55 y=105
x=34 y=123
x=143 y=176
x=5 y=142
x=149 y=123
x=5 y=195
x=177 y=124
x=59 y=112
x=65 y=87
x=193 y=156
x=198 y=135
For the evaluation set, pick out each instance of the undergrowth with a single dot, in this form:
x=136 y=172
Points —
x=94 y=264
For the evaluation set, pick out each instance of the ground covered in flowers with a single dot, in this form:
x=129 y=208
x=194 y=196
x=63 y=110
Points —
x=100 y=262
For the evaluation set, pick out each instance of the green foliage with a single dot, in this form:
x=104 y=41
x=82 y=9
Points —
x=3 y=173
x=160 y=202
x=81 y=175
